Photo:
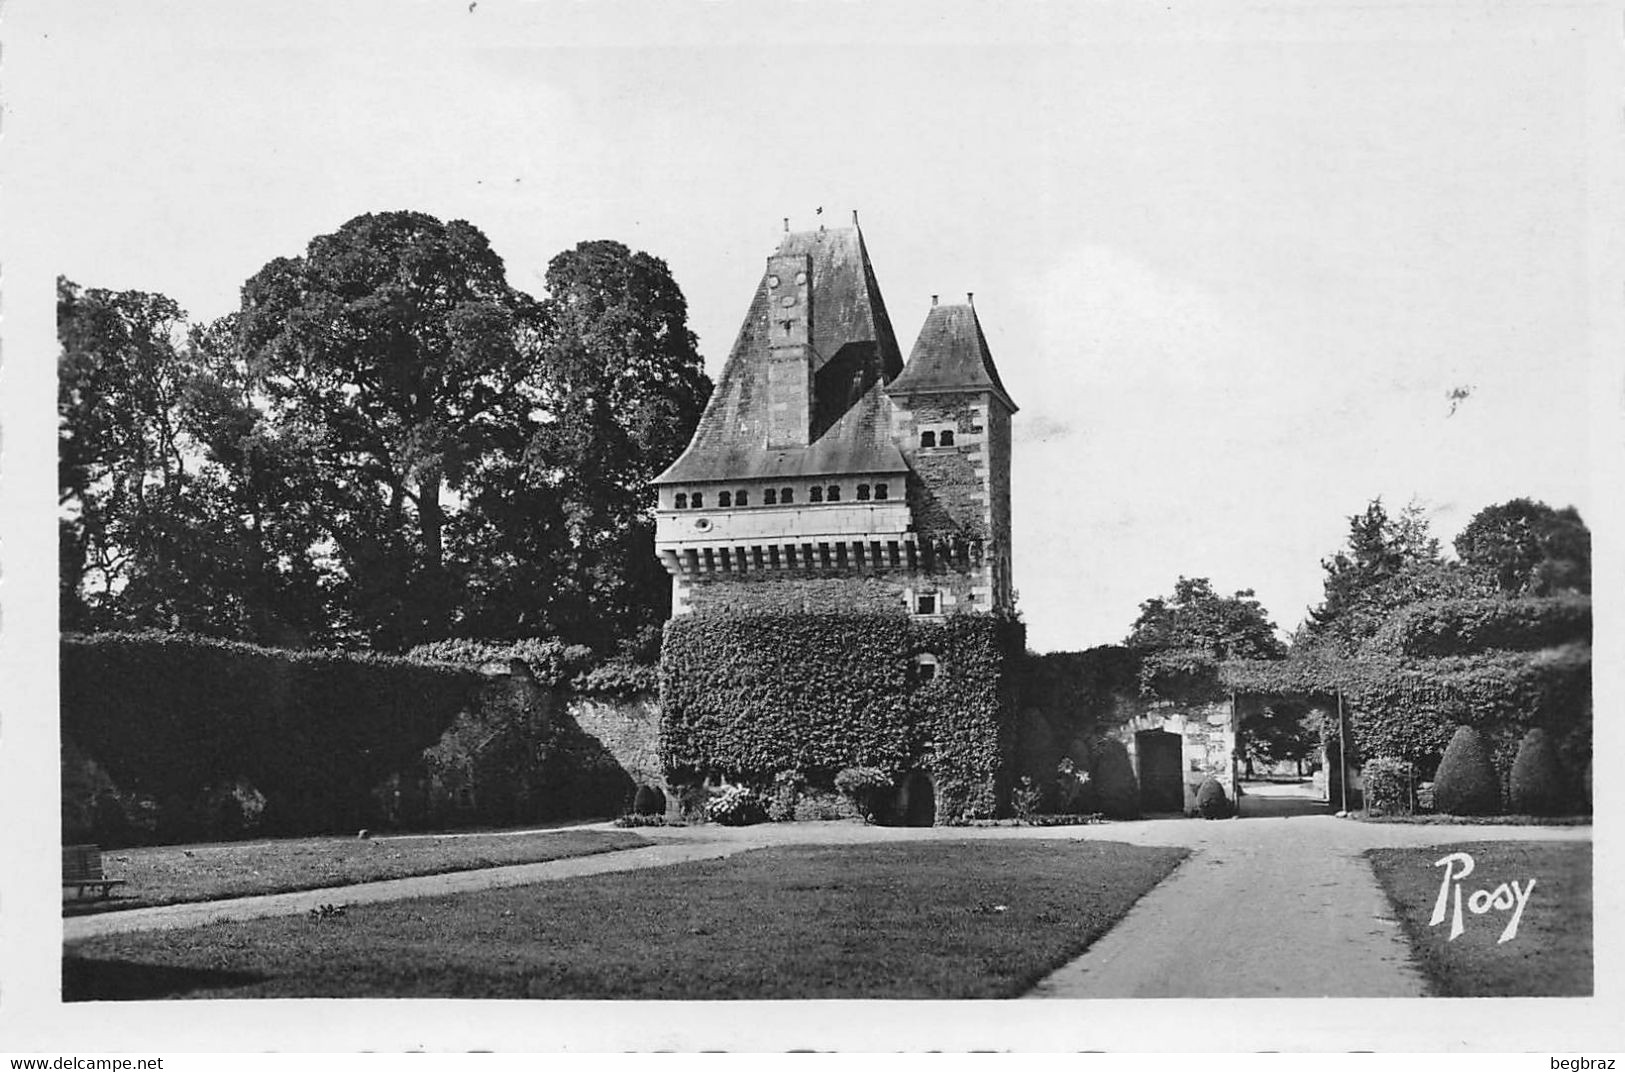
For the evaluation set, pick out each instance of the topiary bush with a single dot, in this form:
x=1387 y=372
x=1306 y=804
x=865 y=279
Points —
x=1211 y=801
x=1115 y=785
x=1466 y=783
x=1389 y=786
x=648 y=800
x=1538 y=786
x=867 y=789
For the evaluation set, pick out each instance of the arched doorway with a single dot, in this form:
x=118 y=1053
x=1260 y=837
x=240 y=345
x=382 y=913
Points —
x=917 y=800
x=1162 y=777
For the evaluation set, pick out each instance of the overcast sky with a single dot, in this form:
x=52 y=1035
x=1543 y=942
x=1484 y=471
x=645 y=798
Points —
x=1232 y=267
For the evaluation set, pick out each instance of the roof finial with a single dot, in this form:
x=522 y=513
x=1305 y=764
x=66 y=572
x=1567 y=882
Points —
x=787 y=225
x=854 y=217
x=970 y=296
x=933 y=301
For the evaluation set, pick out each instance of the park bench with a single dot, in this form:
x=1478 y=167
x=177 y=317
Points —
x=82 y=867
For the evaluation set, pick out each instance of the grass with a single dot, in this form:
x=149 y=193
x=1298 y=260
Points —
x=973 y=919
x=1435 y=819
x=1550 y=956
x=171 y=874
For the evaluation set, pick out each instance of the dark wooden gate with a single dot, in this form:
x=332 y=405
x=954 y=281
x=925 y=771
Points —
x=1162 y=776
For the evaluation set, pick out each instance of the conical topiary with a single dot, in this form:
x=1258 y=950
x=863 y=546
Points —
x=1117 y=789
x=1466 y=783
x=648 y=800
x=1211 y=802
x=1537 y=777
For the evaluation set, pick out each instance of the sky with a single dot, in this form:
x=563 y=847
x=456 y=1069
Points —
x=1231 y=262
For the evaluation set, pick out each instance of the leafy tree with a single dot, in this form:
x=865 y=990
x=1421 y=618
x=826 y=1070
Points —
x=390 y=353
x=1196 y=618
x=1283 y=731
x=625 y=387
x=1530 y=548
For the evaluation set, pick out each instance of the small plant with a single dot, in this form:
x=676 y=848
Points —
x=1389 y=786
x=866 y=787
x=1537 y=777
x=327 y=911
x=1466 y=783
x=1026 y=799
x=1211 y=801
x=735 y=806
x=787 y=789
x=643 y=820
x=1075 y=789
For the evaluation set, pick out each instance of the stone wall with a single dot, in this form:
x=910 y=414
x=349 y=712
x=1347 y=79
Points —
x=1207 y=735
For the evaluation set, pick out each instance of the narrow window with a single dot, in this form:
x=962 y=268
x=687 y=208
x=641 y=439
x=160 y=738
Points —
x=787 y=495
x=816 y=495
x=741 y=498
x=863 y=493
x=947 y=439
x=928 y=439
x=770 y=497
x=880 y=491
x=724 y=499
x=833 y=494
x=698 y=501
x=924 y=669
x=682 y=501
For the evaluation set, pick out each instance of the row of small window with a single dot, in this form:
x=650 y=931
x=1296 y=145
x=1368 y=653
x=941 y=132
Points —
x=937 y=439
x=780 y=496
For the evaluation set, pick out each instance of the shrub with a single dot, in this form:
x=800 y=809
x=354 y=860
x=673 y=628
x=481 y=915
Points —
x=1466 y=783
x=787 y=789
x=1075 y=790
x=1026 y=799
x=1389 y=785
x=649 y=800
x=1211 y=802
x=735 y=806
x=1114 y=780
x=866 y=788
x=1537 y=778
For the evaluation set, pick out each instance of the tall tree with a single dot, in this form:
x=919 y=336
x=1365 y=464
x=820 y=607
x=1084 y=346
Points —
x=625 y=388
x=1530 y=548
x=390 y=350
x=1196 y=618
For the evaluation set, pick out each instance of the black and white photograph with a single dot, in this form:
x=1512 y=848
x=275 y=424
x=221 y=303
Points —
x=901 y=526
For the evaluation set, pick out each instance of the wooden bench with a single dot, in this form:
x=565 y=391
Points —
x=82 y=867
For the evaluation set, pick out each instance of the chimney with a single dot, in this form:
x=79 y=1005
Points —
x=789 y=363
x=933 y=301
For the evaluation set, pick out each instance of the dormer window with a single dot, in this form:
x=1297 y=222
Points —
x=741 y=498
x=681 y=502
x=816 y=495
x=724 y=500
x=946 y=439
x=863 y=493
x=787 y=496
x=833 y=494
x=770 y=497
x=880 y=491
x=928 y=439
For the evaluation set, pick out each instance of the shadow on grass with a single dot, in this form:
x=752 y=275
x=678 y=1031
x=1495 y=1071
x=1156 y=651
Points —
x=84 y=979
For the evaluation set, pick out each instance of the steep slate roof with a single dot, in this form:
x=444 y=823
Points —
x=854 y=354
x=951 y=354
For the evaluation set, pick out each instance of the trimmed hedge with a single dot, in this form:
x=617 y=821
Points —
x=1211 y=801
x=1537 y=783
x=552 y=663
x=747 y=697
x=1465 y=626
x=1466 y=783
x=171 y=716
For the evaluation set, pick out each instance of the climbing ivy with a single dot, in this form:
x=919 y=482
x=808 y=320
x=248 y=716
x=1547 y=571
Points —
x=747 y=697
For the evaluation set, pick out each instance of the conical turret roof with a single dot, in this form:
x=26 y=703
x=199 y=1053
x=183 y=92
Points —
x=950 y=355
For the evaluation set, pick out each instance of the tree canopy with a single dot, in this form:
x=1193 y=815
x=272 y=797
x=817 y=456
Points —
x=1197 y=619
x=386 y=444
x=1530 y=548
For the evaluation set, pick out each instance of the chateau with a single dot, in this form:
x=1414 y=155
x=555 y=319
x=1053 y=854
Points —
x=827 y=474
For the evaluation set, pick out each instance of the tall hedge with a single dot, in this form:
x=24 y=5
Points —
x=750 y=696
x=1466 y=626
x=168 y=716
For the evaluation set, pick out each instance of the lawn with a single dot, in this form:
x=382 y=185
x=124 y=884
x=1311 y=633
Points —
x=170 y=874
x=972 y=919
x=1551 y=953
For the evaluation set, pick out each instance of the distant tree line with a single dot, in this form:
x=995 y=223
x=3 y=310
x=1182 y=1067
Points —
x=386 y=444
